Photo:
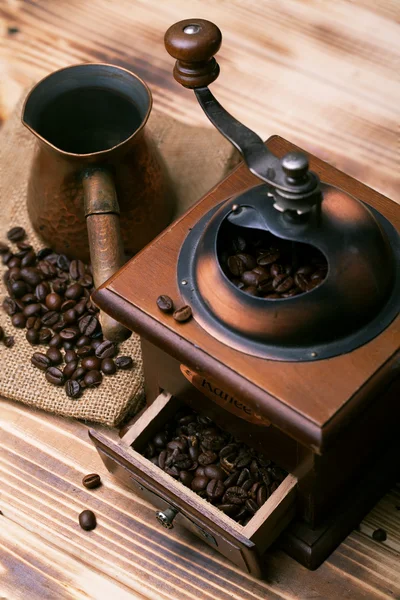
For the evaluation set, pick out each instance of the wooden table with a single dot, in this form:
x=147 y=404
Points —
x=324 y=75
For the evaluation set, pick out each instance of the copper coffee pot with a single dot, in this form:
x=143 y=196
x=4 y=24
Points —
x=89 y=120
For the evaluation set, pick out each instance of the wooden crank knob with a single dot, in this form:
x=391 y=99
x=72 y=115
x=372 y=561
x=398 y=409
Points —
x=193 y=42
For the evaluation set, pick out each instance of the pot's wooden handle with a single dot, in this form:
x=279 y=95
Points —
x=105 y=243
x=193 y=42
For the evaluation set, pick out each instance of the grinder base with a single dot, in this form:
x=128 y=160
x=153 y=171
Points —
x=311 y=547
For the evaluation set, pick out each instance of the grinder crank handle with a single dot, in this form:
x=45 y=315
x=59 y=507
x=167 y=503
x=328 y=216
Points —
x=193 y=43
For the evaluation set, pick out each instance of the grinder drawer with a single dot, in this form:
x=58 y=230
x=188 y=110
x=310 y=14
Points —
x=176 y=504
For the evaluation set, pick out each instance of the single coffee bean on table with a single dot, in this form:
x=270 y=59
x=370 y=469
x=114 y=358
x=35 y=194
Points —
x=87 y=520
x=16 y=234
x=73 y=388
x=91 y=481
x=214 y=464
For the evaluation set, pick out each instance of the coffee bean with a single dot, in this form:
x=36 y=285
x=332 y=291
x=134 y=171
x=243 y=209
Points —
x=87 y=520
x=88 y=325
x=14 y=263
x=262 y=495
x=236 y=266
x=4 y=248
x=63 y=262
x=73 y=388
x=215 y=489
x=29 y=298
x=85 y=351
x=16 y=234
x=46 y=269
x=282 y=283
x=186 y=477
x=41 y=361
x=54 y=355
x=182 y=461
x=93 y=379
x=28 y=260
x=32 y=335
x=19 y=289
x=165 y=303
x=18 y=320
x=56 y=341
x=251 y=506
x=207 y=458
x=8 y=341
x=32 y=310
x=86 y=281
x=1 y=333
x=70 y=316
x=251 y=278
x=232 y=479
x=302 y=281
x=55 y=376
x=42 y=290
x=80 y=307
x=182 y=314
x=379 y=535
x=229 y=509
x=108 y=366
x=50 y=318
x=105 y=350
x=59 y=287
x=269 y=257
x=68 y=305
x=235 y=495
x=9 y=306
x=74 y=291
x=76 y=269
x=6 y=257
x=69 y=334
x=91 y=363
x=244 y=476
x=124 y=362
x=243 y=460
x=31 y=276
x=70 y=368
x=70 y=355
x=91 y=481
x=53 y=301
x=199 y=483
x=43 y=253
x=79 y=374
x=94 y=343
x=84 y=340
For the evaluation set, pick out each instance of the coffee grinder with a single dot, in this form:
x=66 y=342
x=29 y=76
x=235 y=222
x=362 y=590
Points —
x=309 y=379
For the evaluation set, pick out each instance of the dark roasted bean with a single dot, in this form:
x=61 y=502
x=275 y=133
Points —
x=85 y=351
x=8 y=341
x=229 y=509
x=63 y=262
x=262 y=495
x=186 y=477
x=19 y=289
x=43 y=253
x=76 y=269
x=88 y=325
x=251 y=506
x=165 y=303
x=105 y=350
x=91 y=363
x=282 y=283
x=87 y=520
x=93 y=379
x=32 y=335
x=214 y=472
x=108 y=366
x=32 y=310
x=70 y=355
x=235 y=495
x=244 y=476
x=56 y=341
x=41 y=361
x=55 y=376
x=69 y=334
x=199 y=483
x=45 y=336
x=29 y=298
x=70 y=368
x=73 y=388
x=54 y=301
x=54 y=355
x=4 y=248
x=50 y=318
x=70 y=316
x=74 y=291
x=207 y=458
x=124 y=362
x=18 y=320
x=10 y=306
x=14 y=263
x=16 y=234
x=215 y=489
x=232 y=479
x=28 y=260
x=79 y=374
x=91 y=481
x=84 y=340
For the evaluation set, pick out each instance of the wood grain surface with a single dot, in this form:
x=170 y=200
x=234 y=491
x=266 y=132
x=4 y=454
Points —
x=322 y=74
x=43 y=550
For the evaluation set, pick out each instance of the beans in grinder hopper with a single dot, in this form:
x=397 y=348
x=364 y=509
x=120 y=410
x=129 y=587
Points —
x=49 y=295
x=273 y=268
x=214 y=464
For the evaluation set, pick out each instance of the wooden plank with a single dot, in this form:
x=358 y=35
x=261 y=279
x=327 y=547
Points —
x=42 y=460
x=325 y=79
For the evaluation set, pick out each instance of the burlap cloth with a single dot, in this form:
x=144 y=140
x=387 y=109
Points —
x=196 y=159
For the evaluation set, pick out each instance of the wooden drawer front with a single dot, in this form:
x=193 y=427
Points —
x=243 y=545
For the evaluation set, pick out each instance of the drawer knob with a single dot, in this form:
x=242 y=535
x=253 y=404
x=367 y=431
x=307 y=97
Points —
x=165 y=517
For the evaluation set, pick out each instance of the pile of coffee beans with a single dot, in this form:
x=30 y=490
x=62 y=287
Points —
x=269 y=267
x=215 y=465
x=49 y=295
